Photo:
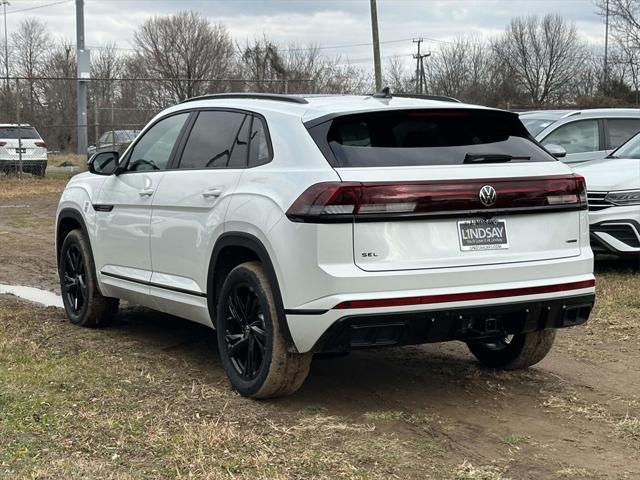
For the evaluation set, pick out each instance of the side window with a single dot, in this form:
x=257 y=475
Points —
x=260 y=150
x=621 y=130
x=153 y=150
x=576 y=137
x=218 y=139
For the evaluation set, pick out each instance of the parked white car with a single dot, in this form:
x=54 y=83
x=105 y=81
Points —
x=26 y=140
x=297 y=225
x=577 y=136
x=613 y=189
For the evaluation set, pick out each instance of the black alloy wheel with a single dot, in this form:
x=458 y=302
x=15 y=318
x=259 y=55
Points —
x=245 y=334
x=74 y=280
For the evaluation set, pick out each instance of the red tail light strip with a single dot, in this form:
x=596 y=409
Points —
x=348 y=201
x=462 y=297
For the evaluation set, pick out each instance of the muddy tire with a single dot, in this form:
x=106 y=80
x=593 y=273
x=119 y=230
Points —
x=520 y=352
x=84 y=304
x=252 y=346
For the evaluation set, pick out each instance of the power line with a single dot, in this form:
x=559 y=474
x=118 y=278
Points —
x=39 y=6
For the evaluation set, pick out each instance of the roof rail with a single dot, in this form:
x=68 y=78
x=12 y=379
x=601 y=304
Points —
x=257 y=96
x=440 y=98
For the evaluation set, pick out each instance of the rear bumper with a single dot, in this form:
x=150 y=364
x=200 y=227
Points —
x=27 y=165
x=446 y=314
x=464 y=323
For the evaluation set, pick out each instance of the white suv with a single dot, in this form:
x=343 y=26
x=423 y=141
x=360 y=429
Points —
x=613 y=186
x=296 y=225
x=22 y=144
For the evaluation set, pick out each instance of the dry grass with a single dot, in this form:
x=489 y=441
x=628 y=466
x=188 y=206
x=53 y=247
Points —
x=14 y=188
x=617 y=310
x=81 y=403
x=68 y=160
x=467 y=471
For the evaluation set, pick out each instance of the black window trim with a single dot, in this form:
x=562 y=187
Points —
x=124 y=162
x=174 y=164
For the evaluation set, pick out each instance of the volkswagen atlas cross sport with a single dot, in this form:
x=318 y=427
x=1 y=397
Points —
x=295 y=225
x=613 y=191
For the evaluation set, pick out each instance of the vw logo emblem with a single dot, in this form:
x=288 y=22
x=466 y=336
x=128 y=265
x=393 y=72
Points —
x=488 y=195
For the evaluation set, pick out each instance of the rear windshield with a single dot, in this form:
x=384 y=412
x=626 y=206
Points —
x=428 y=137
x=12 y=132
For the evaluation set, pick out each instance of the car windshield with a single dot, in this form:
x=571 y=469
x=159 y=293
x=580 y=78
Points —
x=631 y=149
x=12 y=132
x=536 y=125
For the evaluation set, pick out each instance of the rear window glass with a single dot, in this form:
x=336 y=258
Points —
x=12 y=132
x=428 y=137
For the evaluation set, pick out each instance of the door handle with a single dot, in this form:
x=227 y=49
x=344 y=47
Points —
x=212 y=193
x=147 y=192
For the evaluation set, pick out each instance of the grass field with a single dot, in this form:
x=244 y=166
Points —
x=147 y=397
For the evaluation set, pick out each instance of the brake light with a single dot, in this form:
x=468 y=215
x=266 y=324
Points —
x=2 y=144
x=346 y=201
x=41 y=144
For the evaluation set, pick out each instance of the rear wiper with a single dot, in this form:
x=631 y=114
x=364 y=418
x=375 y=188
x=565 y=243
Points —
x=491 y=158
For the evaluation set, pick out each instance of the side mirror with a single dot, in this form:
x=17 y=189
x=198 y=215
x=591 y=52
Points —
x=104 y=163
x=556 y=150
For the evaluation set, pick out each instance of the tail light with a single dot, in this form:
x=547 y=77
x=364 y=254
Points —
x=346 y=201
x=41 y=144
x=2 y=144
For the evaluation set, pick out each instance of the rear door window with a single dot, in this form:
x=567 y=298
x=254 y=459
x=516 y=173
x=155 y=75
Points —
x=576 y=137
x=621 y=129
x=427 y=137
x=218 y=139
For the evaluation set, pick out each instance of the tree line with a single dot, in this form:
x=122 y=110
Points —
x=537 y=62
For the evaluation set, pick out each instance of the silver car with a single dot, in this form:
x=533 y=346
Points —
x=577 y=136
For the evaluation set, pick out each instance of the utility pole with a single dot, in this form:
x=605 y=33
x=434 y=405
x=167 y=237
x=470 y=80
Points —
x=376 y=45
x=420 y=78
x=81 y=56
x=606 y=52
x=6 y=42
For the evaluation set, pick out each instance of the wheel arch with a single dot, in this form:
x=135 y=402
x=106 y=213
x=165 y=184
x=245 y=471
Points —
x=232 y=249
x=69 y=219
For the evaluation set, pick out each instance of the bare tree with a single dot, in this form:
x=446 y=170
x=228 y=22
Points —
x=397 y=76
x=185 y=50
x=294 y=69
x=624 y=21
x=460 y=69
x=544 y=56
x=30 y=49
x=57 y=118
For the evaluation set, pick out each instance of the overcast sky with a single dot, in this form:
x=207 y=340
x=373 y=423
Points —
x=328 y=23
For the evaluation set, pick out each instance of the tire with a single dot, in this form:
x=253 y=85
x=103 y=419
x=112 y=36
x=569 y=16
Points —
x=522 y=351
x=84 y=304
x=252 y=346
x=39 y=171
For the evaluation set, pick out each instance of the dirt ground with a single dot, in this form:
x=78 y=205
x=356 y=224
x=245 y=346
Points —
x=147 y=397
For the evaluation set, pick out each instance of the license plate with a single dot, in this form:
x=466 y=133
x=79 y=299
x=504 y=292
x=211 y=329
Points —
x=483 y=235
